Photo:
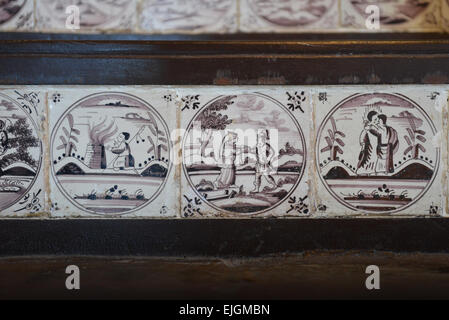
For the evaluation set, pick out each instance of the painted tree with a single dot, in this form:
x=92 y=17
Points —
x=158 y=141
x=69 y=137
x=333 y=140
x=415 y=135
x=211 y=119
x=20 y=140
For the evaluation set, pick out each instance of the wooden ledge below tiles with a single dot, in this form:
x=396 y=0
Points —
x=219 y=238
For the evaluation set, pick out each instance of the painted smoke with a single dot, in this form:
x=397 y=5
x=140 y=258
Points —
x=99 y=134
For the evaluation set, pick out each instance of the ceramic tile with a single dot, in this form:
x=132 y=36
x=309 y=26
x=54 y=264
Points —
x=189 y=16
x=22 y=152
x=395 y=15
x=288 y=16
x=445 y=153
x=378 y=151
x=16 y=15
x=445 y=14
x=117 y=15
x=111 y=152
x=244 y=152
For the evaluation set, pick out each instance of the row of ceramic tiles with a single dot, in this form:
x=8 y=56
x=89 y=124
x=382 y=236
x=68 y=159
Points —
x=223 y=151
x=222 y=16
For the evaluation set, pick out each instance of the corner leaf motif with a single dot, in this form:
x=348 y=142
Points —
x=192 y=207
x=28 y=101
x=31 y=202
x=190 y=102
x=299 y=205
x=295 y=100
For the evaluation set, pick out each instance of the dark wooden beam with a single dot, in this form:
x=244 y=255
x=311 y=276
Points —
x=202 y=61
x=219 y=238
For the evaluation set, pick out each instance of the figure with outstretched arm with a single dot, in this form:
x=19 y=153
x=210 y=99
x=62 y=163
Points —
x=123 y=151
x=264 y=155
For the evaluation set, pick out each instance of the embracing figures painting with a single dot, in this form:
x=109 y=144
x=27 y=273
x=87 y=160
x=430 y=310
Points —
x=376 y=152
x=379 y=143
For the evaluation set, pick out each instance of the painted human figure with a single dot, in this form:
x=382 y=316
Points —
x=264 y=155
x=379 y=143
x=228 y=152
x=3 y=138
x=368 y=140
x=388 y=145
x=124 y=157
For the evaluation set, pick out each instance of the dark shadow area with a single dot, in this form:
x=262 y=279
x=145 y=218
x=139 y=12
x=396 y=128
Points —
x=309 y=276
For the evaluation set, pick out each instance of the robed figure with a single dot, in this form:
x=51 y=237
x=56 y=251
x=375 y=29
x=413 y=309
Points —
x=379 y=142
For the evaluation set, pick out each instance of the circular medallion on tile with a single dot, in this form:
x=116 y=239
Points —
x=91 y=13
x=244 y=154
x=110 y=153
x=20 y=152
x=393 y=12
x=375 y=152
x=184 y=15
x=10 y=8
x=291 y=13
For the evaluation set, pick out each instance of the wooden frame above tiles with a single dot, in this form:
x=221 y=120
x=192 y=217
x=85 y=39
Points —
x=224 y=16
x=41 y=59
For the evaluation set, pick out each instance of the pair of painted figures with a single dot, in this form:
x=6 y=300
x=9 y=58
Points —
x=263 y=152
x=379 y=142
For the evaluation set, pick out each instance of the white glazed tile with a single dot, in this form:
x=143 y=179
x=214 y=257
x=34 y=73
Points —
x=395 y=15
x=188 y=16
x=111 y=153
x=445 y=143
x=118 y=15
x=22 y=152
x=17 y=15
x=351 y=178
x=445 y=14
x=219 y=178
x=288 y=16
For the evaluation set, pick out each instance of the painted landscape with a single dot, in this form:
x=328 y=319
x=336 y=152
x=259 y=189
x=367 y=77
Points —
x=240 y=164
x=289 y=13
x=394 y=11
x=386 y=161
x=20 y=152
x=10 y=8
x=110 y=153
x=184 y=15
x=92 y=13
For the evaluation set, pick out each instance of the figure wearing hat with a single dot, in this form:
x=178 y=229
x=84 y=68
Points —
x=264 y=155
